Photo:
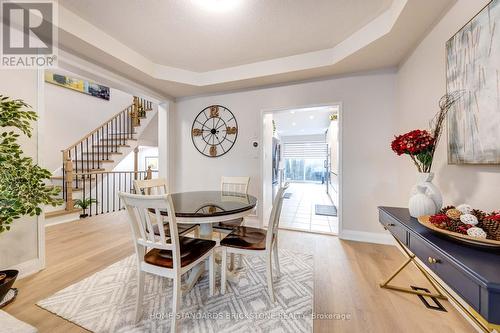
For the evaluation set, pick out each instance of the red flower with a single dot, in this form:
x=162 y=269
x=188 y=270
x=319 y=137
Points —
x=413 y=143
x=493 y=217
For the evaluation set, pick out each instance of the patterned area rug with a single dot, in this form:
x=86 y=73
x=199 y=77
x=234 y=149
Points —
x=105 y=301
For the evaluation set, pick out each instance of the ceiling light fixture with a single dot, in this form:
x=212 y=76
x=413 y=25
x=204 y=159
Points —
x=294 y=124
x=292 y=112
x=311 y=117
x=217 y=5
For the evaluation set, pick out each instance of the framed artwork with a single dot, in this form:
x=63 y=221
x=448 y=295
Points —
x=151 y=161
x=473 y=68
x=86 y=87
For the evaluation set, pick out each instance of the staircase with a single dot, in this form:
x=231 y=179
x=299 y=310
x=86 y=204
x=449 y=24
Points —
x=90 y=161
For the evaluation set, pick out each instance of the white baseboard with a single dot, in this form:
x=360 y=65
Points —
x=28 y=267
x=367 y=237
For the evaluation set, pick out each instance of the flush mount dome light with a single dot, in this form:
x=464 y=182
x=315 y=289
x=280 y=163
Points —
x=217 y=5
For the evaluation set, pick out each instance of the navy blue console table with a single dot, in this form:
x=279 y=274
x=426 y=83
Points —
x=472 y=273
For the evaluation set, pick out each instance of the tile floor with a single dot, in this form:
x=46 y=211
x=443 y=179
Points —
x=298 y=211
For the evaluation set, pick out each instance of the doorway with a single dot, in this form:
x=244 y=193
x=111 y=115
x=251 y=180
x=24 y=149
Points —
x=301 y=147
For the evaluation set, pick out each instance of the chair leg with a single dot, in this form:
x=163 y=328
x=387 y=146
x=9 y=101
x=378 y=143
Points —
x=231 y=261
x=240 y=261
x=140 y=295
x=223 y=271
x=176 y=302
x=211 y=272
x=276 y=258
x=269 y=274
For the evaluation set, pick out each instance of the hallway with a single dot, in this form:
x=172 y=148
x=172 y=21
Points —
x=299 y=210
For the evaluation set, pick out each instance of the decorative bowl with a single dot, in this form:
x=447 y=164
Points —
x=7 y=282
x=483 y=242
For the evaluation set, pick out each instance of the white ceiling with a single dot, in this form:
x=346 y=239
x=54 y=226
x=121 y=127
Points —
x=183 y=34
x=175 y=48
x=305 y=121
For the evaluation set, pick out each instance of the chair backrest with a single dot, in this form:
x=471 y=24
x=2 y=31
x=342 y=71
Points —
x=235 y=184
x=156 y=186
x=140 y=208
x=274 y=218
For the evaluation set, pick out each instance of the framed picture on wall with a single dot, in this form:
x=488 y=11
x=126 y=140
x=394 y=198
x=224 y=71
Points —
x=151 y=161
x=86 y=87
x=473 y=68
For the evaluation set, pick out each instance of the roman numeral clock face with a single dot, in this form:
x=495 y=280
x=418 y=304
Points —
x=214 y=131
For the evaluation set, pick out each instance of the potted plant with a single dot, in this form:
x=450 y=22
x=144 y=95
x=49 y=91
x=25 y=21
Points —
x=22 y=182
x=84 y=204
x=420 y=145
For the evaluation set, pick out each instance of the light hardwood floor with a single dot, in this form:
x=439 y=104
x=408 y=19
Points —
x=346 y=277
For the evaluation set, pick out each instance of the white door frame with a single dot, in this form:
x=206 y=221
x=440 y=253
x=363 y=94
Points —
x=263 y=112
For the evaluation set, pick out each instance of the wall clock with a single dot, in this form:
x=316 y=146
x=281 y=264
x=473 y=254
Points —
x=214 y=131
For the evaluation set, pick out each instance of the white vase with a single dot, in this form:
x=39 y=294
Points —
x=420 y=206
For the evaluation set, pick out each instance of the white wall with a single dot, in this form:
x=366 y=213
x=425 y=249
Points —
x=368 y=125
x=421 y=82
x=127 y=164
x=19 y=246
x=70 y=115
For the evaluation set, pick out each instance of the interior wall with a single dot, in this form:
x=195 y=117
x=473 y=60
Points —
x=20 y=245
x=70 y=115
x=127 y=164
x=421 y=82
x=369 y=113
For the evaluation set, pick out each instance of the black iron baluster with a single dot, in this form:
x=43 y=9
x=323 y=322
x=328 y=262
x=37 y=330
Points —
x=102 y=192
x=87 y=144
x=109 y=192
x=119 y=190
x=75 y=162
x=90 y=191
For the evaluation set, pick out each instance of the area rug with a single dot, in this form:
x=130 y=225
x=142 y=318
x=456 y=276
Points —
x=105 y=301
x=327 y=210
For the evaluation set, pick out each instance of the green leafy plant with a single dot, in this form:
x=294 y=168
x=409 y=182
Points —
x=84 y=203
x=22 y=182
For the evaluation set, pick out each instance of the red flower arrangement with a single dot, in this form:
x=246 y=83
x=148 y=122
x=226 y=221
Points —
x=421 y=144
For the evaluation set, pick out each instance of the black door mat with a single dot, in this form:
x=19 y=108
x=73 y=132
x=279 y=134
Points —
x=287 y=196
x=328 y=210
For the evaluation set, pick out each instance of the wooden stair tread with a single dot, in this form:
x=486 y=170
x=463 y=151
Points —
x=62 y=212
x=80 y=177
x=103 y=153
x=124 y=133
x=110 y=146
x=118 y=139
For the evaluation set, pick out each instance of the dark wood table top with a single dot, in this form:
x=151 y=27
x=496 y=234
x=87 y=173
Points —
x=202 y=204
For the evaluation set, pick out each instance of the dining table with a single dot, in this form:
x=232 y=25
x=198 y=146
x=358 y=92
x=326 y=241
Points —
x=206 y=208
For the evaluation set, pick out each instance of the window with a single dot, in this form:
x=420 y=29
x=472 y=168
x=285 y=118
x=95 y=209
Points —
x=305 y=161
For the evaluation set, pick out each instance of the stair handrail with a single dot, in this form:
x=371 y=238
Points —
x=128 y=119
x=128 y=108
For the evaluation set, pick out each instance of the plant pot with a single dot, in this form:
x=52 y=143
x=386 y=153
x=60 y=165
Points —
x=7 y=282
x=425 y=198
x=82 y=216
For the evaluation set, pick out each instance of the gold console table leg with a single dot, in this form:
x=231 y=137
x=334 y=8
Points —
x=411 y=259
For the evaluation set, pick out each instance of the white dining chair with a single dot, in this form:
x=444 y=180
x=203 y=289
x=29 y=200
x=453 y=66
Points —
x=157 y=256
x=254 y=241
x=158 y=186
x=232 y=185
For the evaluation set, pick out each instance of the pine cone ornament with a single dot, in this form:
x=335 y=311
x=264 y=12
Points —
x=454 y=226
x=479 y=214
x=469 y=219
x=453 y=214
x=492 y=228
x=445 y=209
